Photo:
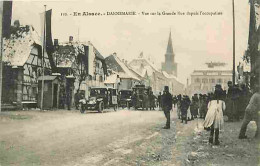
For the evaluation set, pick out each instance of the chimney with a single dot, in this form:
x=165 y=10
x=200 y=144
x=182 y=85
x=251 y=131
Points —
x=71 y=39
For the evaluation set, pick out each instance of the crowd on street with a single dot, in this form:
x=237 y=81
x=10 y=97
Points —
x=235 y=104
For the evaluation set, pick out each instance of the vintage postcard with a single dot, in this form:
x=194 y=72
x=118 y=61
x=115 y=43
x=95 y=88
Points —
x=129 y=82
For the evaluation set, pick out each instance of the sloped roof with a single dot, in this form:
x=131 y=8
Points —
x=98 y=55
x=17 y=49
x=148 y=67
x=170 y=76
x=125 y=72
x=128 y=73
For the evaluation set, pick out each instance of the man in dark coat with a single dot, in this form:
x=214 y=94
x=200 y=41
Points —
x=134 y=98
x=152 y=100
x=159 y=100
x=229 y=102
x=76 y=99
x=185 y=103
x=167 y=106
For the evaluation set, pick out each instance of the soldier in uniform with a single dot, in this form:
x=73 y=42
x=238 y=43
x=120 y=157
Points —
x=167 y=106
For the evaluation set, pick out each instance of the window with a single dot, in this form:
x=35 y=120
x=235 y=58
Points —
x=100 y=79
x=212 y=80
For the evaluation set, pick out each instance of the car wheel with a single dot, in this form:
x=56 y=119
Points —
x=81 y=108
x=115 y=107
x=101 y=107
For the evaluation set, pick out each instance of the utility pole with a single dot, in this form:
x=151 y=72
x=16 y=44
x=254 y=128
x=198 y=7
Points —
x=234 y=44
x=1 y=50
x=43 y=52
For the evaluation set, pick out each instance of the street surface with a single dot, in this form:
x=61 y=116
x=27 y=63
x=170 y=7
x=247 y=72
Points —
x=123 y=138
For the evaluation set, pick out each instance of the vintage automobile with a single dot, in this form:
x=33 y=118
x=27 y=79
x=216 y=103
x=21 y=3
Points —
x=125 y=98
x=98 y=100
x=140 y=97
x=113 y=98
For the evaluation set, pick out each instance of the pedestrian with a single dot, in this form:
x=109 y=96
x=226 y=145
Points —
x=146 y=100
x=167 y=106
x=214 y=118
x=76 y=99
x=184 y=109
x=179 y=106
x=174 y=100
x=196 y=105
x=193 y=108
x=159 y=100
x=236 y=104
x=229 y=101
x=188 y=110
x=203 y=106
x=152 y=100
x=134 y=100
x=252 y=114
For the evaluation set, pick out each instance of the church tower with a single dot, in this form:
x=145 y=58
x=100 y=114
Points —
x=169 y=65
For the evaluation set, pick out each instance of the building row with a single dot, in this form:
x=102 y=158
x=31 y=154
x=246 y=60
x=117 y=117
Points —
x=63 y=69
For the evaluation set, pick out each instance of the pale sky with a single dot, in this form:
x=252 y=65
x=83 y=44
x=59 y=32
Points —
x=196 y=39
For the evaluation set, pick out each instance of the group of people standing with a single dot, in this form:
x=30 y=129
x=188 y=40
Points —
x=212 y=107
x=189 y=109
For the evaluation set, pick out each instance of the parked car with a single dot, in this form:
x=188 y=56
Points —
x=125 y=98
x=98 y=100
x=140 y=97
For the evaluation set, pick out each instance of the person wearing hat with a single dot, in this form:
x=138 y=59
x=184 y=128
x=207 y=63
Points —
x=214 y=117
x=252 y=112
x=167 y=106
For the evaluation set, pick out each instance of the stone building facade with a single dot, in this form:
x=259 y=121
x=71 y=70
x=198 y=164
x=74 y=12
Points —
x=204 y=79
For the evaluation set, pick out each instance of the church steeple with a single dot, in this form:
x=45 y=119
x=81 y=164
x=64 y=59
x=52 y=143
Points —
x=169 y=46
x=170 y=66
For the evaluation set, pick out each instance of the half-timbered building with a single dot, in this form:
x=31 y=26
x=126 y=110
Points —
x=22 y=57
